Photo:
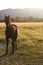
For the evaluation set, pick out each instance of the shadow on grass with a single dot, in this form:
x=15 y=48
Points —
x=2 y=41
x=3 y=56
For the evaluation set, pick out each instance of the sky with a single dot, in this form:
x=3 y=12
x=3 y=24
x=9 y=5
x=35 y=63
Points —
x=21 y=4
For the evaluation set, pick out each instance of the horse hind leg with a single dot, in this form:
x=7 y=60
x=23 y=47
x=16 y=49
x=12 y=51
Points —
x=15 y=44
x=12 y=46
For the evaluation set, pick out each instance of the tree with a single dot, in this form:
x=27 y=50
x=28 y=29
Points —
x=17 y=19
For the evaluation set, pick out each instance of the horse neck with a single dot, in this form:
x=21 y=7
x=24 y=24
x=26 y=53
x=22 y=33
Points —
x=9 y=24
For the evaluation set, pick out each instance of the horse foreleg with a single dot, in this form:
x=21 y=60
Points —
x=6 y=46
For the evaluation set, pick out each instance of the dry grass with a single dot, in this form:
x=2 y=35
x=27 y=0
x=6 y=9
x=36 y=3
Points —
x=30 y=45
x=23 y=24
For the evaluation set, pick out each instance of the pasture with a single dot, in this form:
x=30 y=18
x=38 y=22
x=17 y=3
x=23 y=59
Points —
x=30 y=45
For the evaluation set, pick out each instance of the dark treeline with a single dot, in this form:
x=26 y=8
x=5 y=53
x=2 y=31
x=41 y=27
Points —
x=25 y=19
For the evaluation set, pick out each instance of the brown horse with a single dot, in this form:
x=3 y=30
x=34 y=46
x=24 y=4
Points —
x=11 y=32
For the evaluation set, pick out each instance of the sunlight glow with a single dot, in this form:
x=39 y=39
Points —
x=4 y=4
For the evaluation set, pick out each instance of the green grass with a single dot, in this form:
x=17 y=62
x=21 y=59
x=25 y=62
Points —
x=30 y=46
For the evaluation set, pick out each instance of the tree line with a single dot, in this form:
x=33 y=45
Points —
x=24 y=19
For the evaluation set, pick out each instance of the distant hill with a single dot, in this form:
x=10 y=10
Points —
x=22 y=12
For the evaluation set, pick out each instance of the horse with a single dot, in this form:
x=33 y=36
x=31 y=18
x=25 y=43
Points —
x=11 y=32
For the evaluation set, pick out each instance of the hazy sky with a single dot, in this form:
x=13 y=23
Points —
x=4 y=4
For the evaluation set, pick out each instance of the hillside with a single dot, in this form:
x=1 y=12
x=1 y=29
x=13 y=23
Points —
x=22 y=12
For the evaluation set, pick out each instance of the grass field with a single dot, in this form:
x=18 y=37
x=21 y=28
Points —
x=30 y=45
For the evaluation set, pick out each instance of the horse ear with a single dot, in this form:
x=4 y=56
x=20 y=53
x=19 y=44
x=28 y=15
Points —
x=8 y=16
x=5 y=16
